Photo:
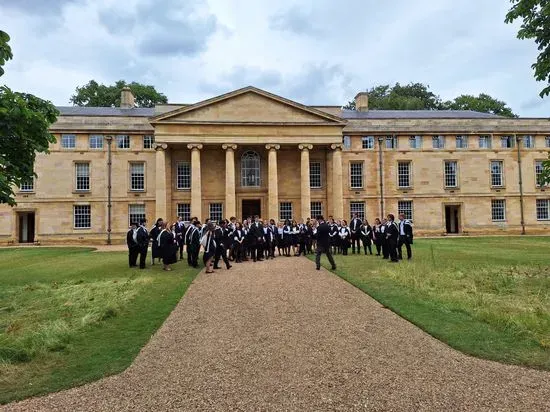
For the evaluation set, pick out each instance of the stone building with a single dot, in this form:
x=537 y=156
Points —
x=251 y=152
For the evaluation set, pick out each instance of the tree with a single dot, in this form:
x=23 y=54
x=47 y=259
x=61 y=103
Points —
x=24 y=123
x=535 y=15
x=94 y=94
x=414 y=96
x=482 y=103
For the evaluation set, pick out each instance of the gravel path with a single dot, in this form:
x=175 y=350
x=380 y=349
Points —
x=280 y=335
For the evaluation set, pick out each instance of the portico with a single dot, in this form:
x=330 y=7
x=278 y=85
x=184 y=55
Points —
x=252 y=146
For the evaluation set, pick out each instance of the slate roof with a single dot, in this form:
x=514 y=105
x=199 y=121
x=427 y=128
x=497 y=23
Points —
x=106 y=111
x=417 y=114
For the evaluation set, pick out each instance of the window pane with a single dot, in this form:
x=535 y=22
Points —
x=184 y=211
x=137 y=176
x=438 y=142
x=497 y=178
x=82 y=216
x=148 y=141
x=415 y=142
x=27 y=186
x=216 y=211
x=316 y=209
x=68 y=141
x=451 y=171
x=285 y=210
x=183 y=175
x=96 y=141
x=250 y=169
x=356 y=175
x=368 y=142
x=82 y=176
x=507 y=142
x=123 y=141
x=135 y=213
x=346 y=141
x=498 y=210
x=357 y=207
x=405 y=207
x=528 y=141
x=547 y=141
x=403 y=174
x=543 y=206
x=391 y=142
x=314 y=175
x=462 y=142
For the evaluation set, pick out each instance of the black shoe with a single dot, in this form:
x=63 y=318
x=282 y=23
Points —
x=333 y=268
x=216 y=267
x=318 y=268
x=229 y=267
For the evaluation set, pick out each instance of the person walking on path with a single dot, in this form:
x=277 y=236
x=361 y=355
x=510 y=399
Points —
x=323 y=243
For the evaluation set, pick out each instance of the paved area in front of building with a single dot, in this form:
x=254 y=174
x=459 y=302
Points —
x=279 y=335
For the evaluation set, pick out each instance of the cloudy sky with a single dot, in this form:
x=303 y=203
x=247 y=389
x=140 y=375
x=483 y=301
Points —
x=315 y=52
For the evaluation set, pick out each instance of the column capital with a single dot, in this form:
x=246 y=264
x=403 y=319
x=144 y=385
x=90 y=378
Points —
x=161 y=146
x=337 y=146
x=304 y=146
x=272 y=146
x=229 y=146
x=192 y=146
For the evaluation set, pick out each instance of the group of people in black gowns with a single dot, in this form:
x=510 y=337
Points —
x=254 y=239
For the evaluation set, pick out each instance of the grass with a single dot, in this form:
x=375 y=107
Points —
x=487 y=297
x=69 y=316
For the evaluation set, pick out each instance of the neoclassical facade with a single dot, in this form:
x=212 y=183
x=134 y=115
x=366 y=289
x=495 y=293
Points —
x=251 y=152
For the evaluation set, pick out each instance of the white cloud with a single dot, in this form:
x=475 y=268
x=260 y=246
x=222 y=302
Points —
x=318 y=52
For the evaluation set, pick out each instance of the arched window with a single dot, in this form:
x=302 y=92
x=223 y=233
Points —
x=250 y=169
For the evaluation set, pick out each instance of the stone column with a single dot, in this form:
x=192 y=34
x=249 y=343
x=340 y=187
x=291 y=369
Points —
x=230 y=201
x=161 y=206
x=273 y=182
x=337 y=184
x=305 y=191
x=196 y=189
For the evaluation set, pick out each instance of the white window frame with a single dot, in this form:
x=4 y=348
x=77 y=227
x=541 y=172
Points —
x=498 y=205
x=315 y=208
x=346 y=142
x=539 y=167
x=367 y=142
x=405 y=207
x=138 y=214
x=123 y=141
x=357 y=206
x=183 y=179
x=68 y=141
x=463 y=139
x=77 y=217
x=390 y=142
x=215 y=209
x=184 y=211
x=446 y=174
x=528 y=138
x=82 y=181
x=501 y=173
x=251 y=162
x=27 y=186
x=488 y=139
x=438 y=142
x=95 y=141
x=285 y=211
x=408 y=174
x=134 y=179
x=509 y=139
x=315 y=175
x=148 y=141
x=353 y=184
x=542 y=205
x=415 y=142
x=547 y=141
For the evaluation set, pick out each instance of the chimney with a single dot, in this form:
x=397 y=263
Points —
x=362 y=102
x=127 y=100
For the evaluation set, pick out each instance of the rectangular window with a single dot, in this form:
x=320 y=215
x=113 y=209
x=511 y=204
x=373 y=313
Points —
x=27 y=185
x=451 y=173
x=183 y=175
x=216 y=212
x=528 y=141
x=415 y=142
x=543 y=209
x=547 y=141
x=357 y=207
x=148 y=141
x=498 y=210
x=316 y=209
x=485 y=142
x=346 y=141
x=136 y=213
x=184 y=211
x=497 y=173
x=391 y=142
x=507 y=142
x=123 y=141
x=137 y=176
x=285 y=210
x=438 y=142
x=314 y=175
x=82 y=216
x=367 y=142
x=403 y=174
x=356 y=175
x=68 y=141
x=462 y=142
x=82 y=172
x=95 y=141
x=539 y=167
x=405 y=207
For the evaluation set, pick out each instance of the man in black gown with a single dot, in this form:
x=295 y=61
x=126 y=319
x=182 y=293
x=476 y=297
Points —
x=323 y=243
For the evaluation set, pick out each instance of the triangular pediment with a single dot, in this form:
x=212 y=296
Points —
x=248 y=105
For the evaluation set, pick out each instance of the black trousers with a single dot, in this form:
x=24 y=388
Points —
x=404 y=240
x=256 y=251
x=355 y=240
x=193 y=255
x=142 y=251
x=366 y=244
x=180 y=247
x=132 y=256
x=326 y=250
x=385 y=249
x=221 y=251
x=237 y=252
x=392 y=246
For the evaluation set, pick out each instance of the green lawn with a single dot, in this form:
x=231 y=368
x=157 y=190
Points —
x=488 y=297
x=70 y=316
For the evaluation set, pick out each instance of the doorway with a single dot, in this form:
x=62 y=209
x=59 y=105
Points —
x=26 y=227
x=452 y=218
x=251 y=207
